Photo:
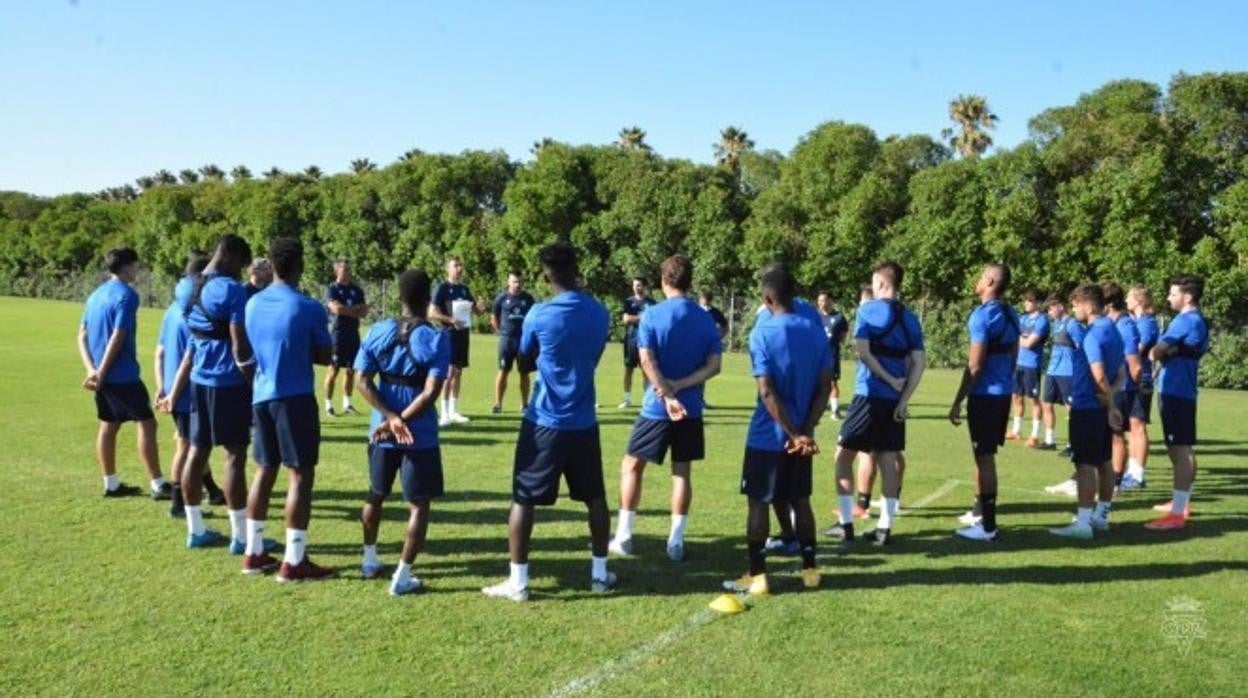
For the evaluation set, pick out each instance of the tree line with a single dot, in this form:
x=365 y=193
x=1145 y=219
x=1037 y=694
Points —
x=1131 y=182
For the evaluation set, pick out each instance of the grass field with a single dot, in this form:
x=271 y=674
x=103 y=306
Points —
x=101 y=597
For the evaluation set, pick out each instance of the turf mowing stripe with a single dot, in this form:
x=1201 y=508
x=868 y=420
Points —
x=636 y=656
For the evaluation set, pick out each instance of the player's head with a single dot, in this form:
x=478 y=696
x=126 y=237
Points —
x=559 y=265
x=1186 y=292
x=261 y=272
x=1031 y=299
x=414 y=292
x=866 y=293
x=777 y=287
x=705 y=297
x=639 y=286
x=1055 y=305
x=886 y=280
x=1087 y=300
x=515 y=282
x=1140 y=299
x=824 y=301
x=232 y=256
x=196 y=261
x=123 y=263
x=1115 y=298
x=994 y=281
x=287 y=259
x=454 y=270
x=676 y=273
x=342 y=270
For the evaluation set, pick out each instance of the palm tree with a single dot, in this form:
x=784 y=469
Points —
x=538 y=146
x=212 y=172
x=974 y=119
x=312 y=172
x=128 y=192
x=273 y=173
x=733 y=142
x=188 y=176
x=240 y=172
x=411 y=154
x=363 y=165
x=633 y=138
x=145 y=182
x=165 y=177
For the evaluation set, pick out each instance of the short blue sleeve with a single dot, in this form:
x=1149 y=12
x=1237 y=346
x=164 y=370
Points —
x=1094 y=349
x=528 y=332
x=645 y=333
x=861 y=329
x=1130 y=338
x=125 y=314
x=916 y=331
x=439 y=295
x=978 y=326
x=236 y=303
x=1041 y=327
x=365 y=358
x=440 y=363
x=1178 y=329
x=759 y=360
x=712 y=333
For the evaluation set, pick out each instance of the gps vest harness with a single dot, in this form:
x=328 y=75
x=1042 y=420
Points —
x=401 y=338
x=1061 y=336
x=875 y=341
x=220 y=328
x=996 y=346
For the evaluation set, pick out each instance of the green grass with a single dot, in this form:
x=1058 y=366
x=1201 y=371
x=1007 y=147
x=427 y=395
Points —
x=102 y=598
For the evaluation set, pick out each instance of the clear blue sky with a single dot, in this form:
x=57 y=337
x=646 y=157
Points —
x=97 y=92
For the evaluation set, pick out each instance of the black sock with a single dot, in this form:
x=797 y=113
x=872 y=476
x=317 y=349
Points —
x=1118 y=479
x=977 y=509
x=808 y=554
x=175 y=494
x=988 y=504
x=758 y=561
x=864 y=500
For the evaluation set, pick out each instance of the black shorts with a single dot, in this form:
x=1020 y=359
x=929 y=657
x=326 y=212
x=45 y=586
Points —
x=1178 y=420
x=836 y=363
x=459 y=347
x=288 y=432
x=346 y=346
x=869 y=426
x=652 y=437
x=1027 y=382
x=1141 y=407
x=986 y=419
x=632 y=355
x=1125 y=402
x=544 y=454
x=1056 y=389
x=419 y=471
x=775 y=476
x=1090 y=437
x=509 y=355
x=220 y=416
x=182 y=424
x=123 y=402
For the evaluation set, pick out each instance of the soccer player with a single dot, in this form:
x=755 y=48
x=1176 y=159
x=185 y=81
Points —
x=1178 y=352
x=288 y=334
x=1140 y=305
x=259 y=276
x=106 y=345
x=792 y=366
x=559 y=434
x=411 y=359
x=507 y=317
x=889 y=342
x=1035 y=327
x=1098 y=374
x=989 y=380
x=346 y=304
x=680 y=350
x=835 y=327
x=1128 y=398
x=452 y=306
x=1057 y=384
x=219 y=363
x=706 y=299
x=634 y=306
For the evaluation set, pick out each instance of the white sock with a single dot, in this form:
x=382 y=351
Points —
x=346 y=401
x=598 y=568
x=1018 y=425
x=1135 y=470
x=846 y=502
x=1048 y=436
x=836 y=404
x=887 y=512
x=628 y=397
x=111 y=482
x=157 y=483
x=255 y=537
x=1035 y=428
x=454 y=405
x=1084 y=516
x=370 y=555
x=677 y=534
x=624 y=527
x=403 y=572
x=238 y=524
x=1181 y=498
x=446 y=408
x=519 y=576
x=1102 y=510
x=329 y=404
x=296 y=543
x=194 y=520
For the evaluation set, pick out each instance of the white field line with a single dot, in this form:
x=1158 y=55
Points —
x=613 y=667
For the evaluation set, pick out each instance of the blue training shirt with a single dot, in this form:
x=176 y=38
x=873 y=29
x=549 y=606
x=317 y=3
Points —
x=112 y=306
x=1060 y=355
x=682 y=336
x=175 y=338
x=568 y=334
x=285 y=328
x=1099 y=343
x=1190 y=333
x=792 y=350
x=1146 y=326
x=223 y=300
x=1130 y=346
x=427 y=351
x=995 y=325
x=1033 y=325
x=875 y=322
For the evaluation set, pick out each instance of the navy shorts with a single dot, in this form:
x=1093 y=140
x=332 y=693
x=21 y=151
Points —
x=182 y=424
x=288 y=432
x=986 y=419
x=1125 y=402
x=123 y=402
x=775 y=476
x=543 y=455
x=1178 y=420
x=1090 y=437
x=869 y=426
x=632 y=355
x=1141 y=407
x=509 y=355
x=652 y=437
x=419 y=471
x=346 y=346
x=1027 y=382
x=459 y=347
x=220 y=416
x=1056 y=389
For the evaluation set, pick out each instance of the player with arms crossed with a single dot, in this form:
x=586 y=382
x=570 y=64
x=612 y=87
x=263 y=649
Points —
x=634 y=306
x=1035 y=328
x=507 y=318
x=345 y=303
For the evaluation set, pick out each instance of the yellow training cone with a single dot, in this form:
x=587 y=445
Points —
x=727 y=604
